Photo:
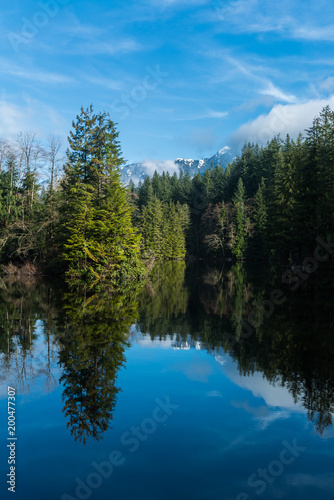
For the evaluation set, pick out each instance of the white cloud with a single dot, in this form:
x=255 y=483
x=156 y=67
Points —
x=275 y=396
x=325 y=34
x=160 y=166
x=32 y=115
x=11 y=117
x=327 y=84
x=146 y=342
x=282 y=119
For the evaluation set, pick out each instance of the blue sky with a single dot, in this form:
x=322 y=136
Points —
x=182 y=78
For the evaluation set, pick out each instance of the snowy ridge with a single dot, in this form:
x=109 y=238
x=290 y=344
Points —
x=138 y=171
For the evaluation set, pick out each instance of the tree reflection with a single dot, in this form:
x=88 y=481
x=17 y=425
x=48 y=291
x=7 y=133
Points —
x=66 y=337
x=164 y=301
x=294 y=346
x=91 y=354
x=291 y=346
x=49 y=334
x=24 y=306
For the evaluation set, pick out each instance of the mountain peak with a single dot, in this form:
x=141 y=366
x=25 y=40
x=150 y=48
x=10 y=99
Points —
x=138 y=171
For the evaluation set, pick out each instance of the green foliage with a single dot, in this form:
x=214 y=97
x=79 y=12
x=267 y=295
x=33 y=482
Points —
x=276 y=199
x=270 y=202
x=164 y=229
x=92 y=348
x=240 y=221
x=101 y=246
x=260 y=221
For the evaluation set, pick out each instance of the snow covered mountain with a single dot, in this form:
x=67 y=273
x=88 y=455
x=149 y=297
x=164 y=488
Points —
x=138 y=171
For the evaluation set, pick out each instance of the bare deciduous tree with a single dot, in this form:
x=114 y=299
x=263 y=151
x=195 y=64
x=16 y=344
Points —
x=53 y=147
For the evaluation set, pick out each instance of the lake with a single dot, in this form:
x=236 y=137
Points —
x=211 y=384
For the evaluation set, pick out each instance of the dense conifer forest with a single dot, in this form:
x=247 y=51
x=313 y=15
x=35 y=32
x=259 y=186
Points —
x=270 y=202
x=74 y=216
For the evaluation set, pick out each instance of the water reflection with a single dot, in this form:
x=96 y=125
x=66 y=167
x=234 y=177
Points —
x=28 y=352
x=54 y=336
x=91 y=353
x=290 y=344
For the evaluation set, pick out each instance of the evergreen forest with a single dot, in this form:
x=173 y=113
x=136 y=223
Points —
x=74 y=216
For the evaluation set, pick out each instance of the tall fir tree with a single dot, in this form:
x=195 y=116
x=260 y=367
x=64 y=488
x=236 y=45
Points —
x=101 y=245
x=240 y=220
x=260 y=222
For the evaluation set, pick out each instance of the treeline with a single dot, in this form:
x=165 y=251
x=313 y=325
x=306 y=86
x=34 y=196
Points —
x=79 y=223
x=29 y=176
x=74 y=215
x=270 y=201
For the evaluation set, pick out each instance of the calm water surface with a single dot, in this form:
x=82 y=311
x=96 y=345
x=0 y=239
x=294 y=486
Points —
x=208 y=385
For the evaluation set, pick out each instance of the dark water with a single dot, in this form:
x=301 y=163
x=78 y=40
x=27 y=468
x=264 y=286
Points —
x=210 y=384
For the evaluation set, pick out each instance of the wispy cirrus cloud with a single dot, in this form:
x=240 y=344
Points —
x=98 y=52
x=33 y=74
x=261 y=83
x=313 y=33
x=206 y=115
x=107 y=83
x=168 y=3
x=106 y=47
x=83 y=38
x=286 y=19
x=272 y=90
x=75 y=28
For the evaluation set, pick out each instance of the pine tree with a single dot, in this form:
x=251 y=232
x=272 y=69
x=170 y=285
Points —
x=219 y=181
x=320 y=141
x=152 y=221
x=260 y=220
x=240 y=221
x=78 y=227
x=186 y=188
x=209 y=189
x=146 y=191
x=284 y=197
x=101 y=245
x=174 y=243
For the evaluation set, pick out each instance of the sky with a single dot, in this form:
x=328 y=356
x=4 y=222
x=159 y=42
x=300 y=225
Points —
x=181 y=78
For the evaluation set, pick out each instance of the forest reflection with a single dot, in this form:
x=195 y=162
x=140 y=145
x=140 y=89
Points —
x=79 y=340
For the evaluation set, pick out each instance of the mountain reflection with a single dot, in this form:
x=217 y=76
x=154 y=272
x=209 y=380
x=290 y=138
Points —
x=56 y=336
